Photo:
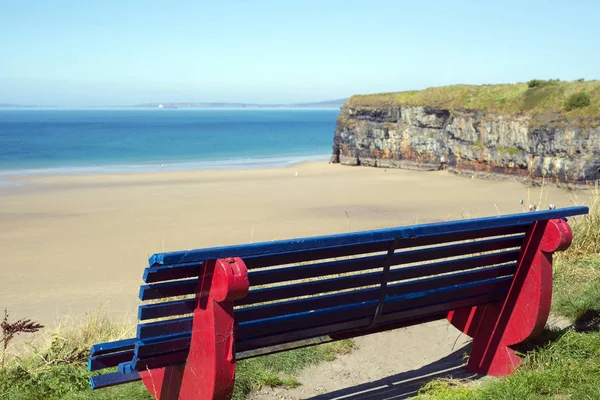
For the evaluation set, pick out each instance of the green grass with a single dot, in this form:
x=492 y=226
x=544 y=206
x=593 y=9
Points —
x=568 y=368
x=57 y=369
x=547 y=99
x=61 y=381
x=280 y=369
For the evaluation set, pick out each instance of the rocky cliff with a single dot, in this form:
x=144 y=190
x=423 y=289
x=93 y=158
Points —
x=498 y=130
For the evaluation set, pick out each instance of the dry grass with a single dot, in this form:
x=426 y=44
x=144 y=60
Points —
x=70 y=341
x=586 y=229
x=53 y=365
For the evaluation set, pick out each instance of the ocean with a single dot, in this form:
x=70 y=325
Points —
x=60 y=141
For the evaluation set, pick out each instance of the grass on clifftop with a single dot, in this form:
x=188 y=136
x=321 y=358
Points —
x=544 y=98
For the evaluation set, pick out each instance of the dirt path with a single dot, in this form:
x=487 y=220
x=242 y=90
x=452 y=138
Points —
x=388 y=365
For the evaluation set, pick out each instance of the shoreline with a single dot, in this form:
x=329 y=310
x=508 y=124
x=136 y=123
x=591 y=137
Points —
x=267 y=162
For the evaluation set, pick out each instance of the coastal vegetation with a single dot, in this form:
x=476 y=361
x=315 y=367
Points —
x=537 y=98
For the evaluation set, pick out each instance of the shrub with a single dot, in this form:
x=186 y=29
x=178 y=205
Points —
x=577 y=100
x=540 y=82
x=535 y=83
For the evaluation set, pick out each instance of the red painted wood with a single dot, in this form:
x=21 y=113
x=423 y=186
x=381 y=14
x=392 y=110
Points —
x=496 y=327
x=209 y=371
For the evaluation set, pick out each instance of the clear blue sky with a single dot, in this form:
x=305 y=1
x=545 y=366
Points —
x=120 y=52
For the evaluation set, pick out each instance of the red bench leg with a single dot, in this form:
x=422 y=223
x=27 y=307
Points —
x=209 y=372
x=525 y=311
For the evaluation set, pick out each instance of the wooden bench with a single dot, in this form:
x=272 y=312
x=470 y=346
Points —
x=490 y=277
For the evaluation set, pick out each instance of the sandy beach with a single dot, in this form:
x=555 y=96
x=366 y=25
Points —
x=71 y=244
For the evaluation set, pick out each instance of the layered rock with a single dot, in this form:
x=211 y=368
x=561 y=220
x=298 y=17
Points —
x=468 y=142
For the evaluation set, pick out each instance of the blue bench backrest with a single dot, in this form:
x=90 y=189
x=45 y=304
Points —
x=304 y=289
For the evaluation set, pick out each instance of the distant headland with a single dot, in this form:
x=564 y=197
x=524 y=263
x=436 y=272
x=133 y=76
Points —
x=173 y=105
x=318 y=104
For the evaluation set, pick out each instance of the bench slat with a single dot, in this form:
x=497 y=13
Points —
x=181 y=271
x=109 y=360
x=184 y=325
x=335 y=284
x=161 y=328
x=439 y=310
x=168 y=289
x=181 y=307
x=254 y=262
x=166 y=309
x=268 y=276
x=314 y=318
x=112 y=379
x=338 y=299
x=479 y=295
x=171 y=272
x=345 y=266
x=112 y=347
x=162 y=344
x=189 y=286
x=162 y=360
x=356 y=238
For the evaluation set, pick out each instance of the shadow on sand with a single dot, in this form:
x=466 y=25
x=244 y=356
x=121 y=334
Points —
x=406 y=384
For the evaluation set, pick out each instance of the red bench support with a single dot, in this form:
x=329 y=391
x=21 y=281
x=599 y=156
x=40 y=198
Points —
x=209 y=371
x=523 y=315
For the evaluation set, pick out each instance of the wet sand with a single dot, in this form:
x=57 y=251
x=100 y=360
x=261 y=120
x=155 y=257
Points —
x=71 y=244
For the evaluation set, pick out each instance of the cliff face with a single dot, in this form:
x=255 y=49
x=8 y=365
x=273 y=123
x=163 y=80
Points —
x=470 y=142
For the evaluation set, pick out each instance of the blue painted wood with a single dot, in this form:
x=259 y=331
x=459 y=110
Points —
x=170 y=272
x=113 y=379
x=161 y=328
x=411 y=290
x=270 y=276
x=112 y=347
x=162 y=360
x=436 y=311
x=362 y=237
x=168 y=289
x=188 y=286
x=181 y=307
x=180 y=271
x=259 y=261
x=156 y=347
x=127 y=367
x=326 y=301
x=335 y=284
x=162 y=345
x=109 y=360
x=166 y=309
x=315 y=318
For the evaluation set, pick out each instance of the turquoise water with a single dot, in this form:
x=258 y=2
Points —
x=130 y=140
